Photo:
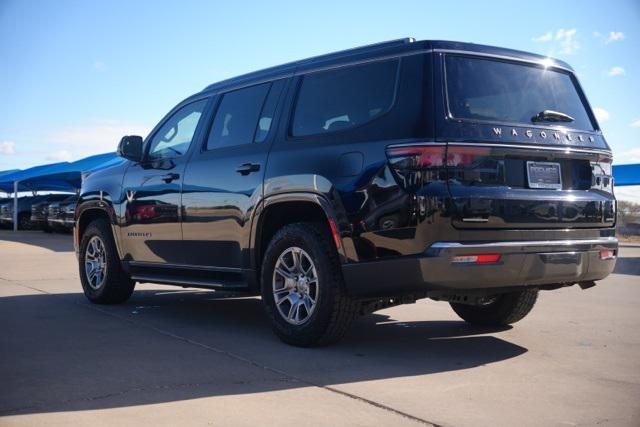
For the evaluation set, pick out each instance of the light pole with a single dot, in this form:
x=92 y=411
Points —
x=15 y=205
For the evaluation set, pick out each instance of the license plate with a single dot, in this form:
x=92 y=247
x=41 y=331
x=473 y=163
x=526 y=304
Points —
x=544 y=175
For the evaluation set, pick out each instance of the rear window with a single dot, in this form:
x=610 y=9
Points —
x=488 y=90
x=341 y=99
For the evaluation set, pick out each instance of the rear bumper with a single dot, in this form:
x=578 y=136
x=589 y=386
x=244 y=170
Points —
x=522 y=263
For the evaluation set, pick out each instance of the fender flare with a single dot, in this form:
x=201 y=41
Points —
x=87 y=206
x=346 y=251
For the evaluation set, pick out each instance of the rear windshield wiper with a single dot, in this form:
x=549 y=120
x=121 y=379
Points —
x=551 y=116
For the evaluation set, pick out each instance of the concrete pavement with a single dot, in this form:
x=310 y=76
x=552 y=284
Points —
x=173 y=355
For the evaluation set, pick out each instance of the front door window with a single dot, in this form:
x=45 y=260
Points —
x=175 y=136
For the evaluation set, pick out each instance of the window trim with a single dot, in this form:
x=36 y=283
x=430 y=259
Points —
x=165 y=119
x=450 y=117
x=219 y=97
x=296 y=96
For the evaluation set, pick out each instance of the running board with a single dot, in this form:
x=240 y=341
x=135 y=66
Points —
x=189 y=281
x=183 y=275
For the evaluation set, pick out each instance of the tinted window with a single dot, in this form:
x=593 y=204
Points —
x=343 y=98
x=238 y=116
x=175 y=135
x=266 y=116
x=499 y=91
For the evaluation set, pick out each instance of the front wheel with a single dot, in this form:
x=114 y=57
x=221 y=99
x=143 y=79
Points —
x=302 y=288
x=103 y=279
x=498 y=310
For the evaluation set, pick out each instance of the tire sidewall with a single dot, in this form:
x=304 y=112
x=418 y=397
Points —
x=92 y=230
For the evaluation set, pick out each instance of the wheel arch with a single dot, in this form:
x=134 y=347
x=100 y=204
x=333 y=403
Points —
x=89 y=211
x=279 y=210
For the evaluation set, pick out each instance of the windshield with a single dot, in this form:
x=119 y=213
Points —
x=489 y=90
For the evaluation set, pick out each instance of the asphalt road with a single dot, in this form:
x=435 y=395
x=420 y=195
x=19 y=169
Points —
x=173 y=355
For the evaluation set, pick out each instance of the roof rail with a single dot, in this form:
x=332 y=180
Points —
x=360 y=49
x=291 y=66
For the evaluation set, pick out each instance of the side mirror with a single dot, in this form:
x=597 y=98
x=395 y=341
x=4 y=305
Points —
x=130 y=148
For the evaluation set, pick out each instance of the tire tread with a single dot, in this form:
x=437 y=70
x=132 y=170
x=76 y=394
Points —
x=118 y=286
x=510 y=308
x=343 y=309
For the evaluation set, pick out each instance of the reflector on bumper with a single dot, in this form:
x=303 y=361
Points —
x=476 y=259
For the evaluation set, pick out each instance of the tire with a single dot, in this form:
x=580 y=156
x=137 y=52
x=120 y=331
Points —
x=333 y=311
x=505 y=309
x=113 y=286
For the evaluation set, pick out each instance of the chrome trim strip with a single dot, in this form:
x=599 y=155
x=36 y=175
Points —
x=475 y=219
x=541 y=62
x=525 y=243
x=417 y=144
x=535 y=147
x=520 y=146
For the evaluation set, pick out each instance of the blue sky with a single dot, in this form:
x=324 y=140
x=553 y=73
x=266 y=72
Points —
x=75 y=76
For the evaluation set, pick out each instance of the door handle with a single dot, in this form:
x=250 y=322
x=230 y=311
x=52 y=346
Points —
x=247 y=168
x=170 y=177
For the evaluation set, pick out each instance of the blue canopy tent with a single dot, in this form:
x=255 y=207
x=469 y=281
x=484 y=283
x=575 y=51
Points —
x=63 y=176
x=8 y=172
x=68 y=178
x=9 y=181
x=626 y=175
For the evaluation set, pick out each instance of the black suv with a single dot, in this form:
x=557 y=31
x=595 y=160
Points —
x=61 y=215
x=40 y=212
x=25 y=210
x=354 y=181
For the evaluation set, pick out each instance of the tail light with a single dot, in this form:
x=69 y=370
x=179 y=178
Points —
x=416 y=166
x=416 y=156
x=466 y=156
x=473 y=165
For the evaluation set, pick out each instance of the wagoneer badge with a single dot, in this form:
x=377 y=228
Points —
x=557 y=136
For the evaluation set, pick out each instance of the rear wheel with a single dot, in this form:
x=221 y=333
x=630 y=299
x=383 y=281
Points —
x=498 y=310
x=302 y=288
x=103 y=279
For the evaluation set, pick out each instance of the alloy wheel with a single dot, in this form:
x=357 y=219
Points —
x=295 y=285
x=95 y=262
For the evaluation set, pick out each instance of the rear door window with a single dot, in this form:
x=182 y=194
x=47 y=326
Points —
x=340 y=99
x=497 y=91
x=238 y=119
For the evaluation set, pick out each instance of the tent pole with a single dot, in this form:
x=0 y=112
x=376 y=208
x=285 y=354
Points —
x=15 y=205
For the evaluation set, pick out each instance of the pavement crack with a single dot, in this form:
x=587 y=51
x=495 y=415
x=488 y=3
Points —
x=245 y=360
